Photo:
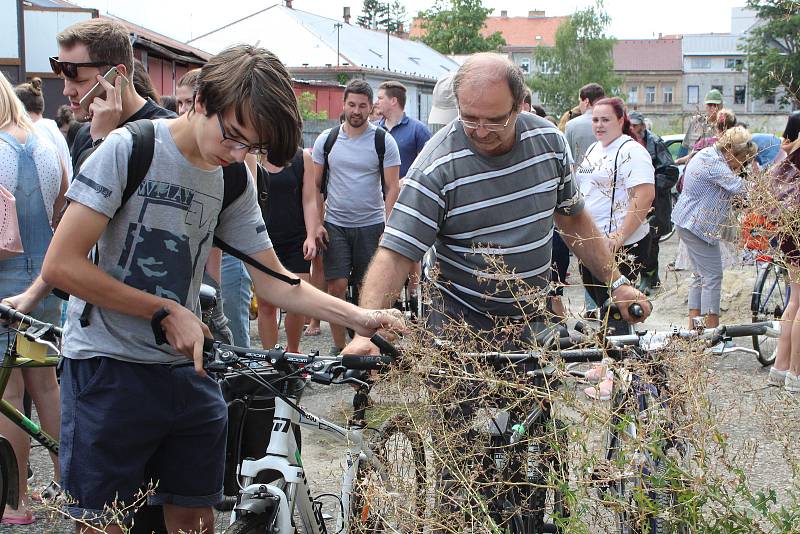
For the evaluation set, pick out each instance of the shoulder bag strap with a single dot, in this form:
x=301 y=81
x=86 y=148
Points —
x=614 y=183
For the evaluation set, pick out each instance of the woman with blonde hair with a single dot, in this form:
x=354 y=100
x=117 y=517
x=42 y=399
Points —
x=30 y=168
x=712 y=179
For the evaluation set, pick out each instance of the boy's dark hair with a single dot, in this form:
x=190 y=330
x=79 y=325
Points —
x=539 y=110
x=64 y=115
x=31 y=95
x=107 y=40
x=358 y=87
x=143 y=84
x=396 y=90
x=255 y=84
x=593 y=92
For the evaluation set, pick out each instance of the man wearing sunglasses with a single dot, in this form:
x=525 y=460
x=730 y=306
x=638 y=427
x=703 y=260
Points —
x=485 y=193
x=86 y=51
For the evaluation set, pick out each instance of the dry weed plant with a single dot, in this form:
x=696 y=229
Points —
x=673 y=468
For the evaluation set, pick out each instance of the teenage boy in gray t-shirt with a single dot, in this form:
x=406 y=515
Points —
x=129 y=415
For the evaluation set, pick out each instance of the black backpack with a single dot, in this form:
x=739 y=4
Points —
x=235 y=178
x=380 y=148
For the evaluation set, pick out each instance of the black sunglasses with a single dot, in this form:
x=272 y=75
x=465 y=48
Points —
x=69 y=69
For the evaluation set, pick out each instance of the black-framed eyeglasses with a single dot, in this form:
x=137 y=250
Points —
x=258 y=150
x=69 y=69
x=488 y=126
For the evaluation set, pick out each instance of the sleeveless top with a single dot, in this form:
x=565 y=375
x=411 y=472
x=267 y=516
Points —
x=282 y=202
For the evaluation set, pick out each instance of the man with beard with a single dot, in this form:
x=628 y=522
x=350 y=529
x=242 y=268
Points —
x=359 y=195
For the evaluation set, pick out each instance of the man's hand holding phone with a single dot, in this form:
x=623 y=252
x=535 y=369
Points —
x=103 y=103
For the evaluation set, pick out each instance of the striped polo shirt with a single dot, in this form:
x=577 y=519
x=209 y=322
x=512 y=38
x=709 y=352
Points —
x=482 y=212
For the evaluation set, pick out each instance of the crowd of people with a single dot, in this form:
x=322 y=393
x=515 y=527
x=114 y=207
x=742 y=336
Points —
x=498 y=192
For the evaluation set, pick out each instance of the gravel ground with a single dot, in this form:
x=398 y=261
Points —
x=749 y=410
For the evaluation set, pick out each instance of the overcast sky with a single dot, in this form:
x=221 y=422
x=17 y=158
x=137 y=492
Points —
x=184 y=19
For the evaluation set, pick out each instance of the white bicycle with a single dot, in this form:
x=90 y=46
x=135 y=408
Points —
x=383 y=485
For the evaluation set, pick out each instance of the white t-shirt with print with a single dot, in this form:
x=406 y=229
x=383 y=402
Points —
x=595 y=176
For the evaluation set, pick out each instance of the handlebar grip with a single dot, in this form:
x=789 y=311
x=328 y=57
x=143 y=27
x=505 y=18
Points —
x=387 y=349
x=746 y=330
x=636 y=310
x=365 y=363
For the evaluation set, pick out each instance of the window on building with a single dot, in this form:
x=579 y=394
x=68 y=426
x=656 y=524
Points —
x=700 y=62
x=693 y=94
x=650 y=94
x=769 y=98
x=718 y=88
x=525 y=65
x=733 y=63
x=739 y=93
x=668 y=94
x=633 y=94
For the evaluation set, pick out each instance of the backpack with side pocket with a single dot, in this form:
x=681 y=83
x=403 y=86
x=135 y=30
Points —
x=235 y=183
x=380 y=149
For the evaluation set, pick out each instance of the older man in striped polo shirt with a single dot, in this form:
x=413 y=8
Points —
x=485 y=193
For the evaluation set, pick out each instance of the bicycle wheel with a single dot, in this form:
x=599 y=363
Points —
x=770 y=295
x=540 y=502
x=6 y=464
x=666 y=520
x=394 y=502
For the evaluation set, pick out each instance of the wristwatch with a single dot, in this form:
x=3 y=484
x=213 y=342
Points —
x=621 y=281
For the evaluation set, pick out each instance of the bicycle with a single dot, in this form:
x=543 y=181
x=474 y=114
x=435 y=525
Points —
x=274 y=489
x=29 y=330
x=638 y=476
x=769 y=300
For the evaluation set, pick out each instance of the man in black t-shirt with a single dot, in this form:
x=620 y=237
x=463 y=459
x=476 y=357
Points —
x=86 y=51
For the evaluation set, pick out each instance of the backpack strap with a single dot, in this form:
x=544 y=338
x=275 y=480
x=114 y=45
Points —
x=380 y=148
x=331 y=139
x=614 y=183
x=143 y=137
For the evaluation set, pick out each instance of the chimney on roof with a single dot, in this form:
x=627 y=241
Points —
x=288 y=3
x=346 y=14
x=535 y=13
x=503 y=13
x=659 y=35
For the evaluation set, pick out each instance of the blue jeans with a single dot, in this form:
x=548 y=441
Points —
x=236 y=296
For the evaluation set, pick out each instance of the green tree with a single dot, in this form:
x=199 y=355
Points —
x=454 y=27
x=582 y=54
x=773 y=50
x=306 y=104
x=374 y=17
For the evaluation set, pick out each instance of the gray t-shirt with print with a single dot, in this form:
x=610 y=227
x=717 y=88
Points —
x=158 y=242
x=355 y=198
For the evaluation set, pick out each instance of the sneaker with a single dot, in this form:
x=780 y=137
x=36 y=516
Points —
x=776 y=378
x=792 y=383
x=50 y=493
x=602 y=391
x=30 y=474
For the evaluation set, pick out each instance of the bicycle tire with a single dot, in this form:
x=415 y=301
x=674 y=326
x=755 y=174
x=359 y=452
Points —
x=674 y=197
x=546 y=500
x=250 y=524
x=767 y=304
x=4 y=479
x=375 y=508
x=665 y=500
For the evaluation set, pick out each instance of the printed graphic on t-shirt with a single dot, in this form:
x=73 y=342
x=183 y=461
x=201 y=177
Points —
x=159 y=260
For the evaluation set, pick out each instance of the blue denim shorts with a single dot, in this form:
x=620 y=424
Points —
x=125 y=424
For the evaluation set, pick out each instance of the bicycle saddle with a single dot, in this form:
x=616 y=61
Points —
x=208 y=297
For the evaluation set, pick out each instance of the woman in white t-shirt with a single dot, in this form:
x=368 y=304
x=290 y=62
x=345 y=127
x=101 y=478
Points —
x=617 y=180
x=30 y=94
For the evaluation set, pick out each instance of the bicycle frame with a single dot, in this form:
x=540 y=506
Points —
x=283 y=456
x=11 y=362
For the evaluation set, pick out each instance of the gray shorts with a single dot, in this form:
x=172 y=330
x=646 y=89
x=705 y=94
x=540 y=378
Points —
x=350 y=250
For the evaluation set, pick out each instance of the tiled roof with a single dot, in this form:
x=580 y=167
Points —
x=175 y=47
x=517 y=31
x=648 y=55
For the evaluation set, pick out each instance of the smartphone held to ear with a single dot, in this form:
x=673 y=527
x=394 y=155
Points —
x=98 y=89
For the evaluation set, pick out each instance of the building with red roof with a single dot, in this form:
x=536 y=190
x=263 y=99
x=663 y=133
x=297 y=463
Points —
x=652 y=73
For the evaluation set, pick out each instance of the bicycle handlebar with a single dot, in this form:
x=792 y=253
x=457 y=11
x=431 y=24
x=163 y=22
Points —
x=9 y=314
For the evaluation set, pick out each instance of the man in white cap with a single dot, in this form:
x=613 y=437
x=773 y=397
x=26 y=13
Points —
x=444 y=108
